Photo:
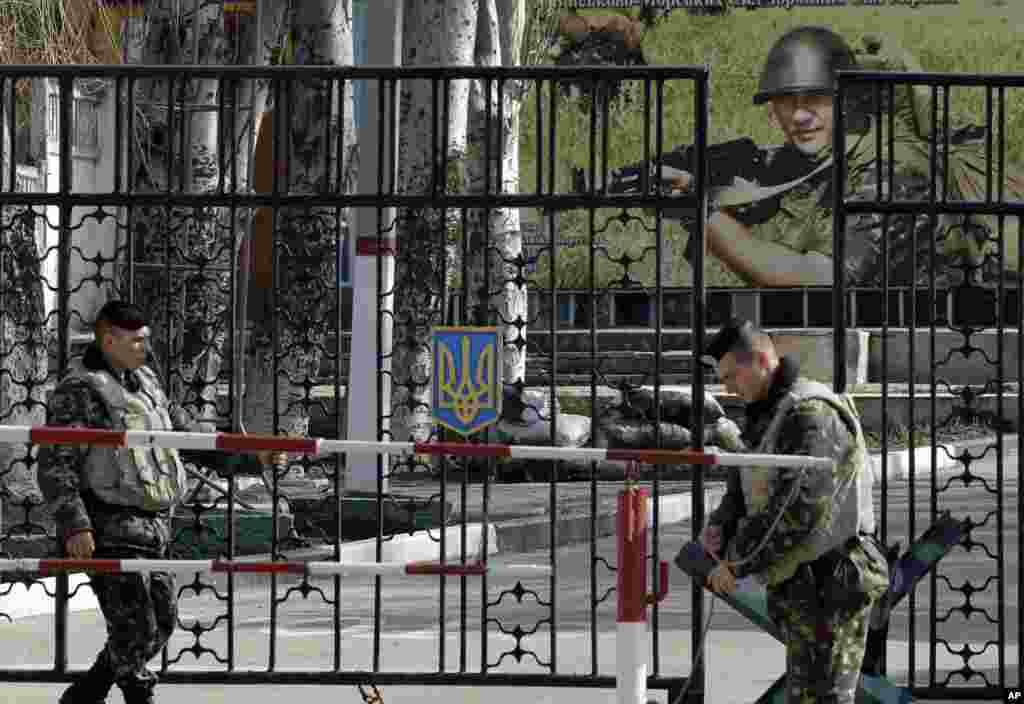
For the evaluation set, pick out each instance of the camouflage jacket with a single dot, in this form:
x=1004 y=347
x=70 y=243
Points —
x=75 y=403
x=812 y=522
x=805 y=222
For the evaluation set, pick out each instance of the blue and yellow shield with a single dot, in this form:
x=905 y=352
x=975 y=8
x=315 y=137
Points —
x=467 y=378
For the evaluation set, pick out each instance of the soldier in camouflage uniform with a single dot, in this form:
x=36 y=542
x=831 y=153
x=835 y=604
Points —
x=794 y=247
x=117 y=503
x=821 y=566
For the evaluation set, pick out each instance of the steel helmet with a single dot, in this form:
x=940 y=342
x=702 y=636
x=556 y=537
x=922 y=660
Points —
x=804 y=61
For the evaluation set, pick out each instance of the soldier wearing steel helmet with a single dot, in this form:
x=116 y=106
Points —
x=775 y=228
x=795 y=248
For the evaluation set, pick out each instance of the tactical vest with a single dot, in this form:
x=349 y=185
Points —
x=151 y=479
x=853 y=504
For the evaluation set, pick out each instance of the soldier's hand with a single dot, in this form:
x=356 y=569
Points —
x=81 y=546
x=273 y=458
x=681 y=184
x=722 y=580
x=725 y=434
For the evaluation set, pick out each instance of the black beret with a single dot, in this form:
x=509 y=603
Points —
x=731 y=334
x=123 y=315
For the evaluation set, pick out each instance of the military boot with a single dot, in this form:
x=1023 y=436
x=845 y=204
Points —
x=91 y=688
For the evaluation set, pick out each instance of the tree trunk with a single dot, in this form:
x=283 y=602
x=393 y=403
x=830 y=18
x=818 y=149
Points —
x=177 y=248
x=419 y=271
x=500 y=239
x=23 y=337
x=310 y=119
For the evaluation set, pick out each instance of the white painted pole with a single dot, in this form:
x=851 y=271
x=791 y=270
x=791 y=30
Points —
x=366 y=402
x=631 y=646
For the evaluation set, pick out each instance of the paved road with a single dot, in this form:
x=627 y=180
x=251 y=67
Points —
x=411 y=614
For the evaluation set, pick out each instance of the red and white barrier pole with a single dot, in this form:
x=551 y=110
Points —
x=234 y=442
x=311 y=568
x=631 y=645
x=631 y=633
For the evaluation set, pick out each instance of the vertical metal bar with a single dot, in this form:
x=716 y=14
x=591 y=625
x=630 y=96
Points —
x=129 y=143
x=699 y=317
x=171 y=122
x=341 y=240
x=659 y=141
x=169 y=244
x=539 y=133
x=879 y=152
x=839 y=242
x=500 y=109
x=443 y=586
x=279 y=137
x=911 y=456
x=1000 y=448
x=118 y=132
x=66 y=83
x=485 y=315
x=592 y=314
x=237 y=359
x=932 y=323
x=1020 y=387
x=394 y=227
x=464 y=489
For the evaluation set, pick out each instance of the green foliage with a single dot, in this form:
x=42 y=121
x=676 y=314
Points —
x=572 y=269
x=36 y=20
x=973 y=36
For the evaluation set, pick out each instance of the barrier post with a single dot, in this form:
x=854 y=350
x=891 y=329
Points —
x=631 y=631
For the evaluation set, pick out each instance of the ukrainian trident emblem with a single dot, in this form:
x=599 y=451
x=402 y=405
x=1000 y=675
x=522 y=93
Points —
x=467 y=378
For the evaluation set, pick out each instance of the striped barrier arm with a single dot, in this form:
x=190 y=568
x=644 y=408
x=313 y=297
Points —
x=307 y=568
x=236 y=442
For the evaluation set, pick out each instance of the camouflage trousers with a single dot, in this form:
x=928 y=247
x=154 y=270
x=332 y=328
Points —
x=823 y=656
x=141 y=611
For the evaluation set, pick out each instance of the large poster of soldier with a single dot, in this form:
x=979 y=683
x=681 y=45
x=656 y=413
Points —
x=772 y=119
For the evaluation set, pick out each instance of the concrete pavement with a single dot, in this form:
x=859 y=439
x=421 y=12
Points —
x=762 y=659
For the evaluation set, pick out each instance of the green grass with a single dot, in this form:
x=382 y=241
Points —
x=975 y=36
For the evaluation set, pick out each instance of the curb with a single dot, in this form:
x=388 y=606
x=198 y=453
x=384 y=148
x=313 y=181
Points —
x=898 y=461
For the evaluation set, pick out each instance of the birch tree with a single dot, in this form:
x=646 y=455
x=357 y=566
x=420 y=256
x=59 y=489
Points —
x=419 y=276
x=312 y=32
x=177 y=148
x=493 y=165
x=457 y=32
x=312 y=122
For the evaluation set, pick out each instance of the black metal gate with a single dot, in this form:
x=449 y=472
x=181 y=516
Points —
x=946 y=199
x=221 y=200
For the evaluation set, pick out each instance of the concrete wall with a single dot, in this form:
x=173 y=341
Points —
x=951 y=360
